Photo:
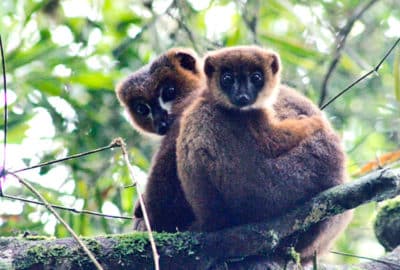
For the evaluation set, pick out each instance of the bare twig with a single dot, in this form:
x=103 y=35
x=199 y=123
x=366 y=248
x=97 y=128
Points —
x=188 y=32
x=3 y=175
x=251 y=11
x=372 y=71
x=156 y=257
x=367 y=258
x=110 y=146
x=340 y=43
x=70 y=209
x=58 y=217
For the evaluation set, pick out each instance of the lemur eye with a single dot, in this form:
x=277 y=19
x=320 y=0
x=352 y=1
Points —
x=257 y=78
x=168 y=93
x=227 y=79
x=142 y=109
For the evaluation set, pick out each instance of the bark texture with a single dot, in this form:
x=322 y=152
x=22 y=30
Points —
x=236 y=247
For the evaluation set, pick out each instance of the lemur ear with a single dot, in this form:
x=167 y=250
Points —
x=275 y=63
x=208 y=66
x=187 y=61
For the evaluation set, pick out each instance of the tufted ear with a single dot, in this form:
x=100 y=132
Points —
x=187 y=61
x=209 y=66
x=275 y=63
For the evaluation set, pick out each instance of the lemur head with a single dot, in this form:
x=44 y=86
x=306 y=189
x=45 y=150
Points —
x=152 y=95
x=243 y=77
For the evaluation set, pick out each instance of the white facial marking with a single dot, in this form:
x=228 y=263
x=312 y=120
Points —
x=165 y=105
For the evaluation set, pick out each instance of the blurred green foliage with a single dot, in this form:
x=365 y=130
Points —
x=63 y=59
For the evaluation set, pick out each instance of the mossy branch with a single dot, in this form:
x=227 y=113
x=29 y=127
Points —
x=199 y=250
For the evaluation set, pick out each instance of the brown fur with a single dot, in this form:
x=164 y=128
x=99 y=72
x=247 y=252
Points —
x=143 y=85
x=247 y=165
x=165 y=203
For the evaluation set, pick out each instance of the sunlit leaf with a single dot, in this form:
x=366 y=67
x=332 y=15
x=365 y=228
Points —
x=45 y=83
x=41 y=52
x=14 y=134
x=287 y=44
x=94 y=80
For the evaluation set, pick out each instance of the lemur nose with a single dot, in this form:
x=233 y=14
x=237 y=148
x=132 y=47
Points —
x=162 y=128
x=243 y=100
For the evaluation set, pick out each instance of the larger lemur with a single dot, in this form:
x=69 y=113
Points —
x=250 y=149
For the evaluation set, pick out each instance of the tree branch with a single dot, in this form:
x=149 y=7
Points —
x=201 y=250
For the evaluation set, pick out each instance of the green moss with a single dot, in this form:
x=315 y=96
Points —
x=294 y=255
x=138 y=243
x=92 y=244
x=180 y=241
x=128 y=244
x=44 y=252
x=40 y=253
x=38 y=237
x=387 y=224
x=316 y=213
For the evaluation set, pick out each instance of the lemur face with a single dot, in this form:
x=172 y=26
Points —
x=241 y=85
x=242 y=77
x=153 y=94
x=154 y=112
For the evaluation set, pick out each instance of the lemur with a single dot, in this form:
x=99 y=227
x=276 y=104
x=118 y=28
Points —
x=250 y=149
x=154 y=98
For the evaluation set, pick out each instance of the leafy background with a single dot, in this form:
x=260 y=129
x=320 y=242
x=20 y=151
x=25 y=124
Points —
x=64 y=58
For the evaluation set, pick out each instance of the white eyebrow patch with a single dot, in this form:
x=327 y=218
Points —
x=165 y=105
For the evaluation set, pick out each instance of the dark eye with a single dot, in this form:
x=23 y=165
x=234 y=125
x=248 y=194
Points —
x=168 y=93
x=227 y=79
x=257 y=78
x=142 y=109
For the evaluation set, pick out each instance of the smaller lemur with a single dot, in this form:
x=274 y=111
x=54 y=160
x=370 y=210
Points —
x=154 y=98
x=245 y=152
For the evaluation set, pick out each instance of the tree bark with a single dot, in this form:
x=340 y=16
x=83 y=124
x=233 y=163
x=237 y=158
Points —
x=203 y=250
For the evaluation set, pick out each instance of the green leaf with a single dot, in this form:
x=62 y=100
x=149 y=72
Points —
x=17 y=134
x=17 y=126
x=45 y=83
x=287 y=44
x=43 y=51
x=94 y=80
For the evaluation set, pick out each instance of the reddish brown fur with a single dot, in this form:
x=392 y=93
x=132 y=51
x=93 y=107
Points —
x=240 y=166
x=143 y=85
x=165 y=203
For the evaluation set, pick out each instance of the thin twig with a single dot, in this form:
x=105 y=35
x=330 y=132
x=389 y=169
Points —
x=58 y=217
x=70 y=209
x=3 y=63
x=127 y=42
x=198 y=43
x=366 y=258
x=250 y=16
x=110 y=146
x=341 y=41
x=121 y=143
x=374 y=70
x=188 y=32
